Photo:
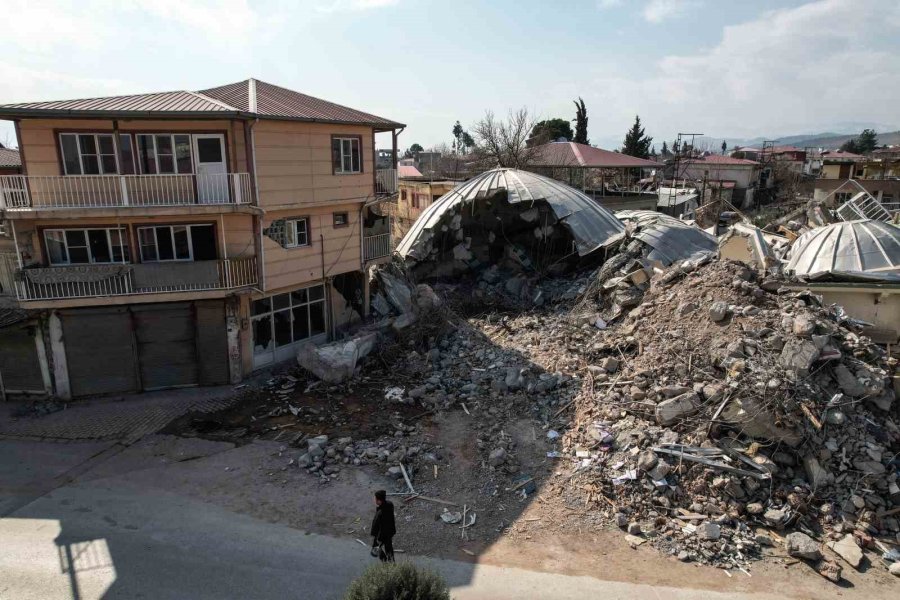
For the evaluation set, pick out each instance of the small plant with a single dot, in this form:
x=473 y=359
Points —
x=398 y=581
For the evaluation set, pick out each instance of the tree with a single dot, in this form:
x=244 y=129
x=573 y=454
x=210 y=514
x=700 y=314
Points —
x=863 y=143
x=664 y=152
x=462 y=140
x=412 y=150
x=724 y=146
x=850 y=146
x=550 y=130
x=636 y=143
x=867 y=141
x=581 y=122
x=503 y=143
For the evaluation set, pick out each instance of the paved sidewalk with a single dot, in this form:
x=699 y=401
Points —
x=125 y=418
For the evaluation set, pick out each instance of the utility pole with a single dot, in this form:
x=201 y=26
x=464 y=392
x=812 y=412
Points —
x=678 y=153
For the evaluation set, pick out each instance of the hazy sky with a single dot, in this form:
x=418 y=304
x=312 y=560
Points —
x=722 y=67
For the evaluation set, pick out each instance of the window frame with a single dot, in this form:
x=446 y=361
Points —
x=271 y=310
x=171 y=227
x=138 y=154
x=338 y=169
x=291 y=229
x=96 y=135
x=123 y=244
x=340 y=215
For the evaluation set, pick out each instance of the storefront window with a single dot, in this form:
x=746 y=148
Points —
x=289 y=318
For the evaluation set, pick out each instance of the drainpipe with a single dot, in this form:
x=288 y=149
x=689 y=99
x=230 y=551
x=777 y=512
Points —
x=258 y=219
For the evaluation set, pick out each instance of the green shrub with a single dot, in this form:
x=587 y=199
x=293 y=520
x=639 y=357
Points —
x=398 y=581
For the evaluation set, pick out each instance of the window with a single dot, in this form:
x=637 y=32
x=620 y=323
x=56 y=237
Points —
x=86 y=246
x=177 y=242
x=346 y=155
x=341 y=219
x=164 y=153
x=287 y=318
x=94 y=153
x=297 y=232
x=403 y=194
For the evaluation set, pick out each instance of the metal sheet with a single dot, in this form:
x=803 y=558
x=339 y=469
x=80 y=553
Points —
x=671 y=240
x=591 y=225
x=863 y=246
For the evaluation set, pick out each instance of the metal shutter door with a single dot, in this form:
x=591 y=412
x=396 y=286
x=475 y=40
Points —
x=99 y=351
x=19 y=365
x=166 y=346
x=211 y=337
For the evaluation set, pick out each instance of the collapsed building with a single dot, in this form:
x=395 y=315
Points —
x=507 y=217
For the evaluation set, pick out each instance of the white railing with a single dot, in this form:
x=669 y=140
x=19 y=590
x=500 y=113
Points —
x=104 y=191
x=863 y=206
x=386 y=181
x=376 y=246
x=94 y=281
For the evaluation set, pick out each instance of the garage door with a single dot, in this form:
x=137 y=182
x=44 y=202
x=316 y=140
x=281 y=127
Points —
x=166 y=344
x=19 y=366
x=99 y=351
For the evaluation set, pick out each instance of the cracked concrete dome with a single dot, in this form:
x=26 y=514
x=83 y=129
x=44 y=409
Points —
x=864 y=247
x=590 y=225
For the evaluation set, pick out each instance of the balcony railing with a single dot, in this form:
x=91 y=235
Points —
x=95 y=281
x=386 y=181
x=376 y=246
x=108 y=191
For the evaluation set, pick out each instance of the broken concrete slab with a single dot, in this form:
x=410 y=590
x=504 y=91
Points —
x=671 y=411
x=798 y=356
x=337 y=361
x=848 y=549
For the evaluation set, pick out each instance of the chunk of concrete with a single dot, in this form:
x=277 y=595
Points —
x=798 y=356
x=397 y=291
x=801 y=545
x=336 y=362
x=671 y=411
x=847 y=548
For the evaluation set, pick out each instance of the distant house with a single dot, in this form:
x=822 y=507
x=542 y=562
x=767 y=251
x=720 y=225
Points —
x=10 y=161
x=612 y=178
x=878 y=174
x=741 y=173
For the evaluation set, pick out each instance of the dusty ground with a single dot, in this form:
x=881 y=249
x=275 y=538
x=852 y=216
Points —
x=537 y=533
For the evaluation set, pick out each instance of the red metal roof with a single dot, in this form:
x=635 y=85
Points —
x=160 y=102
x=570 y=154
x=408 y=171
x=718 y=159
x=841 y=155
x=10 y=157
x=248 y=98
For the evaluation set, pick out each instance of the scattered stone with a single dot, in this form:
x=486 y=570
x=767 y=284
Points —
x=801 y=545
x=847 y=549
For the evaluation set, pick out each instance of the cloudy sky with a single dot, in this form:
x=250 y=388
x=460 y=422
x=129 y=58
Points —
x=726 y=68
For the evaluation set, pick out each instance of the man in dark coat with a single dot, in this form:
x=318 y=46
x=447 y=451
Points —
x=383 y=527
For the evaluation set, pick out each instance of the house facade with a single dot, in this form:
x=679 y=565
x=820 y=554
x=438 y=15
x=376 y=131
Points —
x=416 y=193
x=740 y=174
x=189 y=238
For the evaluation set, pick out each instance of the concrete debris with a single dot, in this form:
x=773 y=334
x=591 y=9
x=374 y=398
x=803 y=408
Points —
x=802 y=546
x=336 y=362
x=848 y=549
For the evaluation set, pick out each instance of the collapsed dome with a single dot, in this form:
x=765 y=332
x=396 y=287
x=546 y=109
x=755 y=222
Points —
x=871 y=248
x=529 y=196
x=669 y=239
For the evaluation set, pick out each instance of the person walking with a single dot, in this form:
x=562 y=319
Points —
x=383 y=527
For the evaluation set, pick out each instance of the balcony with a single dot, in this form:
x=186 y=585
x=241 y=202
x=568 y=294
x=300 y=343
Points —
x=376 y=246
x=386 y=182
x=28 y=192
x=98 y=281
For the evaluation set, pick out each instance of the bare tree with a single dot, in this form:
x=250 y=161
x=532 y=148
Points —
x=502 y=143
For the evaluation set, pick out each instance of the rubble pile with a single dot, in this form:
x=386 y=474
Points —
x=721 y=405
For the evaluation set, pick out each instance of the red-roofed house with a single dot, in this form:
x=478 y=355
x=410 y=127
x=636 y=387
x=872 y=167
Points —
x=611 y=177
x=743 y=173
x=190 y=237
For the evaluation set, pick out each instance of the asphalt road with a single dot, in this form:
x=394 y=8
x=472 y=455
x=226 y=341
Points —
x=108 y=538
